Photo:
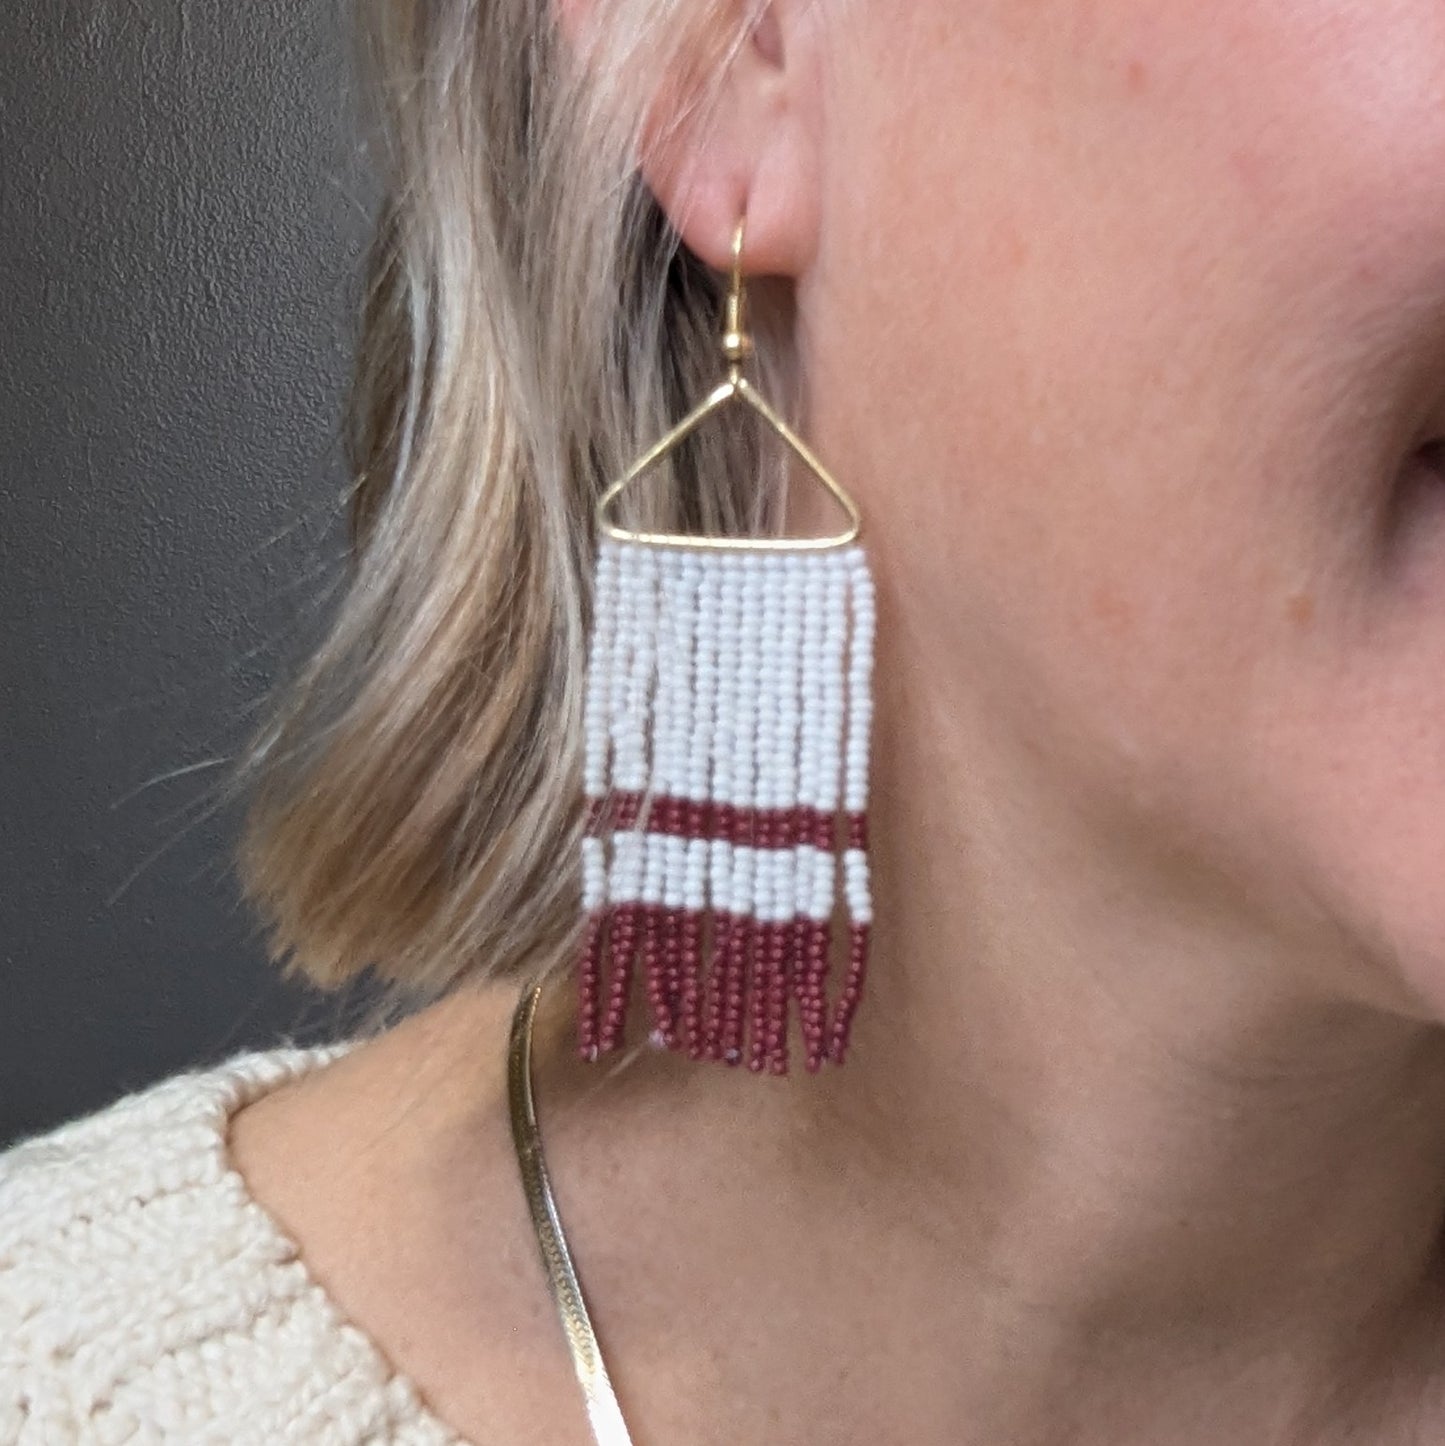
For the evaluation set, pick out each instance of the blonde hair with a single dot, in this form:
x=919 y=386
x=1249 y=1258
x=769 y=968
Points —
x=531 y=321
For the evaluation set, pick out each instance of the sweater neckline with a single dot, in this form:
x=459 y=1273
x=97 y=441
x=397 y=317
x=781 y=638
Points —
x=226 y=1088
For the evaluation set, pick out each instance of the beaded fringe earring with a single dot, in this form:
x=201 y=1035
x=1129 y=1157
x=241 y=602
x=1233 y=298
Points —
x=727 y=725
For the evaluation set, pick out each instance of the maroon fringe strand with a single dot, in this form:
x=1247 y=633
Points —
x=734 y=990
x=852 y=991
x=590 y=979
x=652 y=969
x=715 y=987
x=690 y=1006
x=621 y=951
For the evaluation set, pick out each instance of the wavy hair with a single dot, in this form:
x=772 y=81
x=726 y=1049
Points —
x=531 y=320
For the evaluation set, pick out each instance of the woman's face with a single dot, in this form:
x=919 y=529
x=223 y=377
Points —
x=1127 y=319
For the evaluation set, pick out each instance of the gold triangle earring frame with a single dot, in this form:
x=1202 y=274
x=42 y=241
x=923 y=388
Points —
x=737 y=347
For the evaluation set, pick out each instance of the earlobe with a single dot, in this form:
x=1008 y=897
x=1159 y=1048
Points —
x=715 y=148
x=688 y=155
x=728 y=126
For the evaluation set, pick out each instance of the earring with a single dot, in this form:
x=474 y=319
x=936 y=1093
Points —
x=727 y=717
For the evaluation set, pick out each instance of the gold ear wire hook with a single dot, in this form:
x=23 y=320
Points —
x=737 y=344
x=737 y=347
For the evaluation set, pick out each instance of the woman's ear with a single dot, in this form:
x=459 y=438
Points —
x=731 y=127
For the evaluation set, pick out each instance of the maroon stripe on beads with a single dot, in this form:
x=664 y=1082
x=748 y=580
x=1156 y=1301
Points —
x=759 y=827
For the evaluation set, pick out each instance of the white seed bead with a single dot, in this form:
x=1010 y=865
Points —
x=860 y=670
x=823 y=884
x=855 y=883
x=604 y=626
x=594 y=874
x=674 y=887
x=626 y=873
x=706 y=680
x=720 y=874
x=830 y=670
x=695 y=874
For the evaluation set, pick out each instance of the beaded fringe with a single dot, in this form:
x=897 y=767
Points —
x=726 y=771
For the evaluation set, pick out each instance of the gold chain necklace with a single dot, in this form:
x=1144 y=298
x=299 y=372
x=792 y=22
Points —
x=608 y=1427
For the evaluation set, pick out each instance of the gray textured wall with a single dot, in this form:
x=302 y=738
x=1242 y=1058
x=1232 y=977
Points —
x=182 y=207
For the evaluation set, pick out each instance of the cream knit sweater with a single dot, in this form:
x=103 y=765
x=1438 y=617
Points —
x=145 y=1296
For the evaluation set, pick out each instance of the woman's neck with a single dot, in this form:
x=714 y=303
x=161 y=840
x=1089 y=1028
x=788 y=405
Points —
x=1121 y=1090
x=1100 y=1126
